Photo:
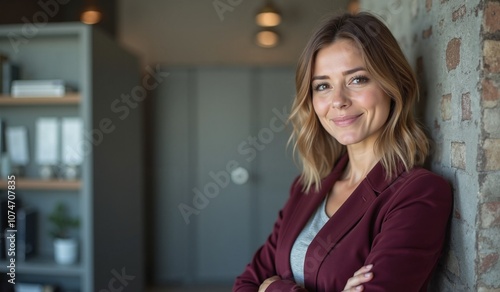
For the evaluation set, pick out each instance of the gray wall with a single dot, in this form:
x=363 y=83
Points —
x=202 y=121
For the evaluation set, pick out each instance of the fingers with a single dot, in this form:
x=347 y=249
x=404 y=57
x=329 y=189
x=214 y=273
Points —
x=363 y=269
x=268 y=282
x=361 y=276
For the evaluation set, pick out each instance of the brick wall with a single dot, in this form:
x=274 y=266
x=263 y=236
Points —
x=488 y=237
x=455 y=49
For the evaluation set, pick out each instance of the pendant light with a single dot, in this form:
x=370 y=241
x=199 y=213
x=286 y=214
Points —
x=268 y=15
x=91 y=13
x=353 y=6
x=267 y=38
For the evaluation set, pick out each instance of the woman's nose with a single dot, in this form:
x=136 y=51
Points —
x=339 y=99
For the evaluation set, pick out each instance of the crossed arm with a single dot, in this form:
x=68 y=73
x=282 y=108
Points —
x=354 y=284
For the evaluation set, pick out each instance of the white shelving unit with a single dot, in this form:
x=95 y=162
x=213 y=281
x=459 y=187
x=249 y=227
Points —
x=108 y=196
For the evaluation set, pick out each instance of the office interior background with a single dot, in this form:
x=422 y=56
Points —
x=183 y=106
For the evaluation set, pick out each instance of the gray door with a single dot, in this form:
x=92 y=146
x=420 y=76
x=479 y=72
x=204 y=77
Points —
x=223 y=226
x=208 y=122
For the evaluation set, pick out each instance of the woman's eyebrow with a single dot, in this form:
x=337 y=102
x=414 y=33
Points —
x=347 y=72
x=322 y=77
x=354 y=70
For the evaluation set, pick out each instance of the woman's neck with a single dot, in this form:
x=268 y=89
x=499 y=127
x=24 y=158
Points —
x=361 y=162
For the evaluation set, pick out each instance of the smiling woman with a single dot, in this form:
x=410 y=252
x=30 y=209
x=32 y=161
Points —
x=351 y=106
x=363 y=215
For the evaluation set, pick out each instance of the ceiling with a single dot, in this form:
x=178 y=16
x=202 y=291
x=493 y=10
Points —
x=193 y=32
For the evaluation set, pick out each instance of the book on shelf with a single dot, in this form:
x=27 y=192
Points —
x=47 y=141
x=17 y=144
x=27 y=233
x=39 y=88
x=3 y=226
x=3 y=59
x=9 y=73
x=29 y=287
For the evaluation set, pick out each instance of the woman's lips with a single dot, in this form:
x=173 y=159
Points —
x=345 y=121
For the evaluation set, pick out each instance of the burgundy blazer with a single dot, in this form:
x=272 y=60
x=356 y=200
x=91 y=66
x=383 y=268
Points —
x=398 y=225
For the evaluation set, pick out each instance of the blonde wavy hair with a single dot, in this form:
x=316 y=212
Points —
x=402 y=140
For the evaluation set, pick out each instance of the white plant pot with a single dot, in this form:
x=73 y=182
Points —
x=65 y=251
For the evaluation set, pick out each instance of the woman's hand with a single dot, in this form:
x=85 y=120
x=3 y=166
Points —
x=361 y=276
x=268 y=282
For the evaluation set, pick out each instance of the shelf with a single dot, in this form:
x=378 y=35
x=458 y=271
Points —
x=68 y=99
x=38 y=184
x=43 y=266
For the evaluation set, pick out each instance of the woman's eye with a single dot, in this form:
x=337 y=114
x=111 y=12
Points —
x=359 y=80
x=321 y=87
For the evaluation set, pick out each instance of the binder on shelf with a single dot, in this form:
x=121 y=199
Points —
x=9 y=73
x=2 y=137
x=29 y=287
x=39 y=88
x=3 y=226
x=17 y=145
x=72 y=141
x=3 y=59
x=27 y=233
x=47 y=141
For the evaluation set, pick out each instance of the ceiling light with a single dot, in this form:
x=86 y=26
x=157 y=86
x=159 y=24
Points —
x=353 y=6
x=91 y=13
x=267 y=39
x=268 y=15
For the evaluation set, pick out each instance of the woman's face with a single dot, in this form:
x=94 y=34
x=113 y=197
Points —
x=348 y=102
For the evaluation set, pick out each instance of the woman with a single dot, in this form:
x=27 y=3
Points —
x=363 y=215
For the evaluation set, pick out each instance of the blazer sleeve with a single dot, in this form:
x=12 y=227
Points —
x=263 y=265
x=412 y=235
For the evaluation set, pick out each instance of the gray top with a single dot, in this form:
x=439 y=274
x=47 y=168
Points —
x=299 y=249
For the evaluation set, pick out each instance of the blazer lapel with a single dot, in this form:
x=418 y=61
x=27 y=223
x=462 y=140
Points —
x=344 y=220
x=307 y=205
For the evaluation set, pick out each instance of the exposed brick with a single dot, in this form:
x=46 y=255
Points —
x=485 y=240
x=428 y=5
x=490 y=184
x=492 y=16
x=446 y=107
x=459 y=13
x=491 y=122
x=488 y=289
x=453 y=53
x=491 y=93
x=487 y=261
x=490 y=159
x=491 y=52
x=427 y=33
x=490 y=214
x=466 y=107
x=458 y=155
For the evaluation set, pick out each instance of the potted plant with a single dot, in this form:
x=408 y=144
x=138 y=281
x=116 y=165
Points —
x=65 y=247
